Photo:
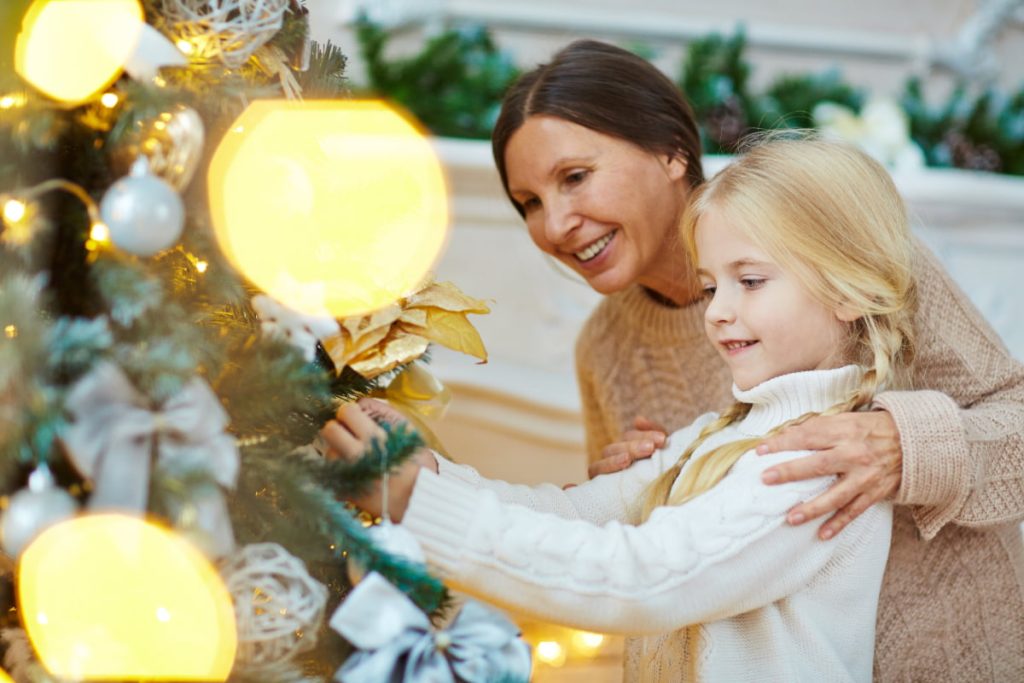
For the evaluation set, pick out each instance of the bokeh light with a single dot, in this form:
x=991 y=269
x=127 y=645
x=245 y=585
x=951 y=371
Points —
x=72 y=49
x=112 y=597
x=331 y=207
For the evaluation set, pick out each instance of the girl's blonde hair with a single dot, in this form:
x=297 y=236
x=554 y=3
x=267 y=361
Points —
x=830 y=215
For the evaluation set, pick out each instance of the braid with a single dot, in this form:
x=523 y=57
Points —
x=891 y=348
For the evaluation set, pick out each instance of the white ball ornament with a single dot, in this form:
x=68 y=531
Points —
x=394 y=540
x=278 y=606
x=143 y=212
x=33 y=509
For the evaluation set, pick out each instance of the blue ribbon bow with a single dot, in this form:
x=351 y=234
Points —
x=398 y=645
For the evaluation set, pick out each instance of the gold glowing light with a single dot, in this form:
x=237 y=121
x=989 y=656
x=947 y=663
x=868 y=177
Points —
x=335 y=207
x=112 y=597
x=587 y=643
x=10 y=331
x=185 y=46
x=99 y=232
x=12 y=101
x=201 y=266
x=14 y=210
x=550 y=652
x=4 y=678
x=72 y=49
x=109 y=100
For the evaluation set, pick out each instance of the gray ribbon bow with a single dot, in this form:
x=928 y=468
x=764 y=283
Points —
x=397 y=644
x=115 y=432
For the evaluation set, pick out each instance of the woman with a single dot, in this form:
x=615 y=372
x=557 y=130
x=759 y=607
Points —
x=598 y=151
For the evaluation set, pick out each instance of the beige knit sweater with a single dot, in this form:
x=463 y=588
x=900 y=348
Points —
x=952 y=603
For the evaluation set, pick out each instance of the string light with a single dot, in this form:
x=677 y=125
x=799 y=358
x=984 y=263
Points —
x=550 y=652
x=185 y=46
x=109 y=100
x=10 y=331
x=201 y=266
x=99 y=232
x=14 y=210
x=12 y=101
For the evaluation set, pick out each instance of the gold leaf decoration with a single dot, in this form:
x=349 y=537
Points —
x=397 y=334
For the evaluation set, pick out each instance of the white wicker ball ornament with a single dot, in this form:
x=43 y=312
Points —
x=229 y=30
x=279 y=607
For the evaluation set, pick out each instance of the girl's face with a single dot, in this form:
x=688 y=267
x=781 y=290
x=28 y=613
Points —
x=761 y=318
x=601 y=205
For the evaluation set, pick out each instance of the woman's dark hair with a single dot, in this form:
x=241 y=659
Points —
x=609 y=90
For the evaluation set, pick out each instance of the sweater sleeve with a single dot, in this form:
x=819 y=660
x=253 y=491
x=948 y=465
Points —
x=962 y=435
x=724 y=553
x=603 y=499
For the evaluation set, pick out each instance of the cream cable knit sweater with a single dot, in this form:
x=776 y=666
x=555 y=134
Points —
x=773 y=603
x=952 y=603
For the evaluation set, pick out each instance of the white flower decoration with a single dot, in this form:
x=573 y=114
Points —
x=300 y=330
x=881 y=130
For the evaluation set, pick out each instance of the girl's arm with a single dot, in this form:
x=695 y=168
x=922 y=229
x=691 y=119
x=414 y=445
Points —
x=613 y=497
x=724 y=553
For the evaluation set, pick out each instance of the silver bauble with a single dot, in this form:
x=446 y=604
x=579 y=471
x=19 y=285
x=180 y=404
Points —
x=33 y=509
x=145 y=215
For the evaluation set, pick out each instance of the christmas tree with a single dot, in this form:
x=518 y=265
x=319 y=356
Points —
x=146 y=369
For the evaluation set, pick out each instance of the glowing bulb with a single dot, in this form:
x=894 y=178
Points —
x=12 y=101
x=10 y=331
x=359 y=188
x=185 y=46
x=4 y=678
x=201 y=266
x=109 y=100
x=109 y=586
x=72 y=49
x=14 y=210
x=550 y=652
x=587 y=642
x=99 y=232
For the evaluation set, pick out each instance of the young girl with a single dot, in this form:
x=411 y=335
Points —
x=804 y=254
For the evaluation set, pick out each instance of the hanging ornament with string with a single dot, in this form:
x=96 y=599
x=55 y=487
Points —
x=145 y=215
x=389 y=537
x=33 y=509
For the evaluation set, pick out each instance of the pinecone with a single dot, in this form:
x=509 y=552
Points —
x=965 y=153
x=726 y=124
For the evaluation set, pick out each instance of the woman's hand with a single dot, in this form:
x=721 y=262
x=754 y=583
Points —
x=863 y=449
x=636 y=444
x=350 y=434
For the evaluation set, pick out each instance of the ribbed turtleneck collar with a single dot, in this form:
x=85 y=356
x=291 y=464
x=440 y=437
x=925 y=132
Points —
x=783 y=398
x=660 y=322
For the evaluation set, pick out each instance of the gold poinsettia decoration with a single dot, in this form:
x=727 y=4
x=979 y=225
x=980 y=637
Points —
x=374 y=343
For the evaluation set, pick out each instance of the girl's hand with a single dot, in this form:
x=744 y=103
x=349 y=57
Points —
x=636 y=444
x=349 y=435
x=862 y=448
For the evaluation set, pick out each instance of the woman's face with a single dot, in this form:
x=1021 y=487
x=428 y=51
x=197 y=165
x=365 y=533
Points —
x=601 y=205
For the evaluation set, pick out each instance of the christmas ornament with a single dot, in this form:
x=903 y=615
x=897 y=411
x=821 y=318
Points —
x=153 y=51
x=145 y=215
x=278 y=606
x=71 y=50
x=114 y=598
x=346 y=198
x=396 y=641
x=228 y=30
x=116 y=432
x=172 y=142
x=33 y=509
x=392 y=539
x=301 y=331
x=398 y=333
